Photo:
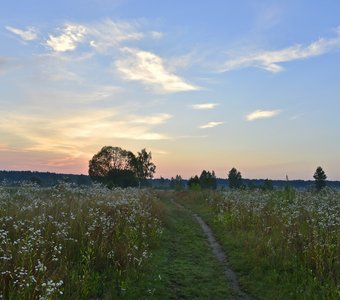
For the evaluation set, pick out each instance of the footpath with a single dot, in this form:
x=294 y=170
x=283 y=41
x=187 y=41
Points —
x=189 y=261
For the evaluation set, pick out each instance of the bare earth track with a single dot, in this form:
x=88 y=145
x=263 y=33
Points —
x=220 y=255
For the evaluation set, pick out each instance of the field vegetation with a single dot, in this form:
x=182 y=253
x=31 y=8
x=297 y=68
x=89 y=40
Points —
x=74 y=243
x=67 y=242
x=284 y=244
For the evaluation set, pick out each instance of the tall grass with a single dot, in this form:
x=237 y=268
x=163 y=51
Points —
x=288 y=237
x=73 y=242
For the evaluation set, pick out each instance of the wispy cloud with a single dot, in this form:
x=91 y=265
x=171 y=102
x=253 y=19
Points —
x=107 y=34
x=149 y=68
x=85 y=95
x=267 y=16
x=152 y=120
x=73 y=132
x=156 y=34
x=30 y=34
x=270 y=60
x=204 y=106
x=160 y=152
x=295 y=117
x=262 y=114
x=99 y=36
x=211 y=125
x=71 y=36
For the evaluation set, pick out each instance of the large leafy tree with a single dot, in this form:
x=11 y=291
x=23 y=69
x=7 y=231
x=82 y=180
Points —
x=234 y=179
x=111 y=164
x=320 y=178
x=115 y=166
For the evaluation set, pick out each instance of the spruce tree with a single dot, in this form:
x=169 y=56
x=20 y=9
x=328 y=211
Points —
x=320 y=178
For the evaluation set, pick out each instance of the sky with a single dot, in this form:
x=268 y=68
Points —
x=201 y=84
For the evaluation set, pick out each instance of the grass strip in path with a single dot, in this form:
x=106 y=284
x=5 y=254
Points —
x=183 y=264
x=219 y=254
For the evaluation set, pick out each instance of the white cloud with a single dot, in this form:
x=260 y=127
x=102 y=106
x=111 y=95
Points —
x=152 y=120
x=86 y=94
x=270 y=60
x=204 y=106
x=160 y=152
x=150 y=136
x=149 y=68
x=72 y=35
x=107 y=34
x=211 y=125
x=30 y=34
x=73 y=132
x=262 y=114
x=99 y=36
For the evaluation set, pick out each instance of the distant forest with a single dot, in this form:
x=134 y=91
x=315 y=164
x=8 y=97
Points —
x=46 y=179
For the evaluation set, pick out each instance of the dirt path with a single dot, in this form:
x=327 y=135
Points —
x=220 y=255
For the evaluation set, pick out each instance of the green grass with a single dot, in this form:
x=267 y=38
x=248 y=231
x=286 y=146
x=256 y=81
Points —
x=74 y=243
x=183 y=266
x=66 y=242
x=93 y=243
x=269 y=267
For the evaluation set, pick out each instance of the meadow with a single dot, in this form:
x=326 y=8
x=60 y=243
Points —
x=76 y=242
x=71 y=242
x=284 y=244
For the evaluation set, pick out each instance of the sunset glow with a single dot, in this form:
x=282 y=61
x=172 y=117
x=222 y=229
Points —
x=201 y=84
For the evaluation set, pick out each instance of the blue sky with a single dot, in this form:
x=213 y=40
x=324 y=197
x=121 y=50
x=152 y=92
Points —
x=201 y=84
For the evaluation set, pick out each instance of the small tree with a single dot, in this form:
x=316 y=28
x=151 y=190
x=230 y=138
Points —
x=177 y=183
x=234 y=179
x=143 y=166
x=194 y=184
x=267 y=185
x=320 y=178
x=208 y=180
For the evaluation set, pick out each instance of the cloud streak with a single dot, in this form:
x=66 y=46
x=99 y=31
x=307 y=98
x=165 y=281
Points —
x=152 y=120
x=262 y=114
x=271 y=60
x=107 y=34
x=203 y=106
x=30 y=34
x=149 y=68
x=99 y=36
x=211 y=125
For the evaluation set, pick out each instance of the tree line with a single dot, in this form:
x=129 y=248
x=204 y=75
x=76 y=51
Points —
x=114 y=166
x=208 y=180
x=44 y=179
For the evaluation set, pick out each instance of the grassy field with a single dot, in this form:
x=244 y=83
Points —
x=283 y=244
x=68 y=242
x=74 y=243
x=86 y=243
x=184 y=259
